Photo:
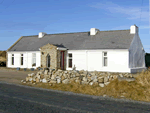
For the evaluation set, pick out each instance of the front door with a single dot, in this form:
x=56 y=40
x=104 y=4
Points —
x=48 y=61
x=62 y=60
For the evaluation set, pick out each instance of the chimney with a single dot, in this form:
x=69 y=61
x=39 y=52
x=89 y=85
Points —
x=133 y=29
x=41 y=34
x=93 y=31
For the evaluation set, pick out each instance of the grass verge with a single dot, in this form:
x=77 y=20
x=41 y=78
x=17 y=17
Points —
x=136 y=90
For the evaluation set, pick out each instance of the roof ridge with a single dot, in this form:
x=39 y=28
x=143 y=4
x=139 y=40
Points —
x=116 y=30
x=59 y=33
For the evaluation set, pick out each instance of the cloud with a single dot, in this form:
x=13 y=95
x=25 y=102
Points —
x=130 y=12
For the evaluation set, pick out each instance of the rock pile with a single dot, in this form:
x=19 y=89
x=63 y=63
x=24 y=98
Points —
x=83 y=77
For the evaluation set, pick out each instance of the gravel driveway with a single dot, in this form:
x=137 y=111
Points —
x=13 y=76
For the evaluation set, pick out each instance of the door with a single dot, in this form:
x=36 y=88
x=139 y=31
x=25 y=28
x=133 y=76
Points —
x=62 y=60
x=48 y=61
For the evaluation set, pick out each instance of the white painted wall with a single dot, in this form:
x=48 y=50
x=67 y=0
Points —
x=92 y=60
x=27 y=63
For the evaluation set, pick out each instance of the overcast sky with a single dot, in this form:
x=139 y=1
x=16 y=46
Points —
x=29 y=17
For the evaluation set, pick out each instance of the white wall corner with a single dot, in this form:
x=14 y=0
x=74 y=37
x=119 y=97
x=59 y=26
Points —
x=93 y=31
x=41 y=34
x=133 y=29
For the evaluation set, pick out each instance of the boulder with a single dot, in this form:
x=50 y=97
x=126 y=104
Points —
x=30 y=79
x=101 y=85
x=53 y=77
x=46 y=72
x=85 y=79
x=91 y=83
x=101 y=80
x=27 y=79
x=106 y=83
x=53 y=82
x=58 y=81
x=37 y=80
x=66 y=81
x=41 y=76
x=83 y=82
x=77 y=81
x=62 y=77
x=44 y=80
x=105 y=79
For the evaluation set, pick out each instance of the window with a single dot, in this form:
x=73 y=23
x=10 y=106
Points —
x=34 y=59
x=104 y=58
x=21 y=59
x=12 y=59
x=70 y=60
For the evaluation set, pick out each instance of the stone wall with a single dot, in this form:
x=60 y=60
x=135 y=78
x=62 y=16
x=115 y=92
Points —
x=83 y=77
x=52 y=51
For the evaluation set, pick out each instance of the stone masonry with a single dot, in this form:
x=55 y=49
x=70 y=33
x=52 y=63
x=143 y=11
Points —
x=83 y=77
x=52 y=51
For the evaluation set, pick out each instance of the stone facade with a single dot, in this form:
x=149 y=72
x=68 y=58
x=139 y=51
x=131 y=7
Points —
x=54 y=56
x=52 y=51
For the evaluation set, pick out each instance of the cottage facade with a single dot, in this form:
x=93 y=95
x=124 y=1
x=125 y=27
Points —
x=110 y=51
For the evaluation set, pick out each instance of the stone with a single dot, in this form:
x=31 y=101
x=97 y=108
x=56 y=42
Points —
x=101 y=85
x=27 y=79
x=106 y=83
x=58 y=81
x=37 y=80
x=74 y=76
x=53 y=77
x=41 y=76
x=72 y=79
x=83 y=82
x=44 y=80
x=85 y=79
x=30 y=79
x=62 y=77
x=115 y=76
x=58 y=77
x=105 y=79
x=53 y=82
x=95 y=80
x=32 y=74
x=91 y=83
x=66 y=81
x=120 y=75
x=93 y=77
x=29 y=75
x=22 y=80
x=101 y=80
x=46 y=72
x=77 y=81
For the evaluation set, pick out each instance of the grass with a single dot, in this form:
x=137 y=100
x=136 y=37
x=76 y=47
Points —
x=135 y=90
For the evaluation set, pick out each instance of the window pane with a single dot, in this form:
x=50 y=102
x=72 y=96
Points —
x=34 y=60
x=70 y=62
x=21 y=54
x=12 y=60
x=12 y=54
x=105 y=61
x=34 y=54
x=21 y=60
x=105 y=53
x=70 y=55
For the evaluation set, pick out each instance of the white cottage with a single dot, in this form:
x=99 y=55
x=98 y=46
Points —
x=109 y=51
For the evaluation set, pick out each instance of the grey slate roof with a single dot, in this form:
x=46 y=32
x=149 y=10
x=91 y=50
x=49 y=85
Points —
x=115 y=39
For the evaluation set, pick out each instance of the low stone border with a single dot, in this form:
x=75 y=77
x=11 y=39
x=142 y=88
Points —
x=83 y=77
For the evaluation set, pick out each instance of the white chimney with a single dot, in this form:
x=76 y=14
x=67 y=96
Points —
x=41 y=34
x=133 y=29
x=93 y=31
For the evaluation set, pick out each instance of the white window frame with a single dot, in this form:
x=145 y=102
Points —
x=33 y=57
x=105 y=56
x=12 y=56
x=21 y=56
x=69 y=59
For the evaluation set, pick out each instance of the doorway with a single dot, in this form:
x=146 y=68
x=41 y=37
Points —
x=62 y=60
x=48 y=61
